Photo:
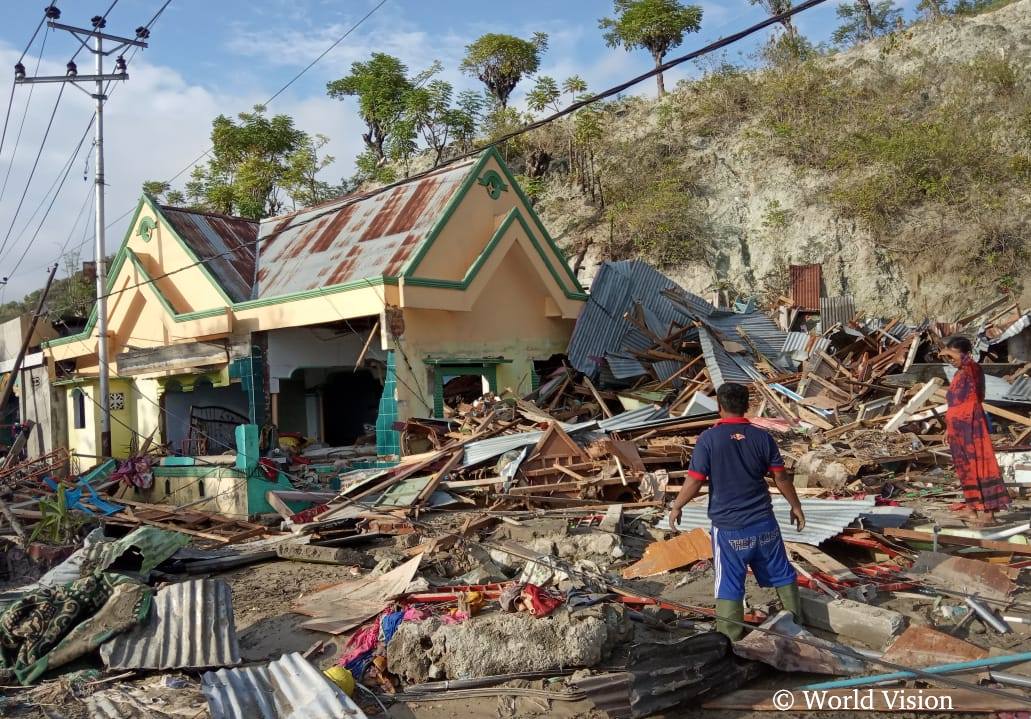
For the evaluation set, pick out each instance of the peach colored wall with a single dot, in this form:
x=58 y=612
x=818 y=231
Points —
x=471 y=227
x=495 y=325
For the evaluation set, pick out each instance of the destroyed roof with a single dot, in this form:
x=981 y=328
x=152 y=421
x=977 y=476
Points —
x=806 y=282
x=225 y=244
x=358 y=237
x=825 y=518
x=836 y=310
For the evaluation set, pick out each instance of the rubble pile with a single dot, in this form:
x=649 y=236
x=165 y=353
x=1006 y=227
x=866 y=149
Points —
x=520 y=551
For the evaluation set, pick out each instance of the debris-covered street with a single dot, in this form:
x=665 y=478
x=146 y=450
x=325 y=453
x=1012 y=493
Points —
x=517 y=558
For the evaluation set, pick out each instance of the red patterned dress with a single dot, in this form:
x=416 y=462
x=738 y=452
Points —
x=970 y=443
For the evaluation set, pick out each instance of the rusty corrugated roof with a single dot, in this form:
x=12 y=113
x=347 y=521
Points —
x=806 y=281
x=225 y=244
x=353 y=238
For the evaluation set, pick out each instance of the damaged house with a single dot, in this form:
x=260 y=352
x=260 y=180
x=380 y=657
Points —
x=333 y=322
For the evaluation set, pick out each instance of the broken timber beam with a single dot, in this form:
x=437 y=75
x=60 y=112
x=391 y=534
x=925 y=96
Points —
x=914 y=404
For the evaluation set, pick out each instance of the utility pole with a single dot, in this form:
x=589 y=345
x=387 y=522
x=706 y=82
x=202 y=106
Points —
x=72 y=75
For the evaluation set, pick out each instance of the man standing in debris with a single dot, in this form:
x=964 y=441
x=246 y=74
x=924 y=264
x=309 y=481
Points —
x=734 y=457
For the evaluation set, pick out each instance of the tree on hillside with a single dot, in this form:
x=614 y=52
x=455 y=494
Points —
x=249 y=165
x=501 y=61
x=933 y=9
x=381 y=85
x=863 y=20
x=776 y=7
x=657 y=26
x=301 y=180
x=440 y=120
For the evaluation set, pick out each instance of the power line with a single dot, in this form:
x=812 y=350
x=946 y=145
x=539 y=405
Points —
x=25 y=114
x=58 y=182
x=35 y=165
x=707 y=49
x=107 y=91
x=103 y=18
x=278 y=92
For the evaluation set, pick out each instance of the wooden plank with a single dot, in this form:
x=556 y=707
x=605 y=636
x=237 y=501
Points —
x=1006 y=414
x=914 y=404
x=823 y=562
x=597 y=397
x=951 y=539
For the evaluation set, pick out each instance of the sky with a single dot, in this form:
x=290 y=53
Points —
x=211 y=57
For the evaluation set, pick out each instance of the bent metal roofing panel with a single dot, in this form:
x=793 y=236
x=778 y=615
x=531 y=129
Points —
x=354 y=238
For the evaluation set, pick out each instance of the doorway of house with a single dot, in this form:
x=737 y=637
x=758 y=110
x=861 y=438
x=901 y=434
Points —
x=350 y=404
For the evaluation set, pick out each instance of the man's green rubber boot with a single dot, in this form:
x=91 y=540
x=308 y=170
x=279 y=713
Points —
x=730 y=618
x=792 y=602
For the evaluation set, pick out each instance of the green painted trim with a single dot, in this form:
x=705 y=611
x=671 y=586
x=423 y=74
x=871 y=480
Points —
x=147 y=226
x=445 y=216
x=318 y=292
x=186 y=248
x=494 y=184
x=473 y=178
x=198 y=471
x=116 y=267
x=515 y=214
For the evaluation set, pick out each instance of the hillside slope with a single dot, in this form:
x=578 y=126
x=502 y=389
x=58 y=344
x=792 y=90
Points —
x=904 y=166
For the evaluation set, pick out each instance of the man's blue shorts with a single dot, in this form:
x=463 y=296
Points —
x=758 y=546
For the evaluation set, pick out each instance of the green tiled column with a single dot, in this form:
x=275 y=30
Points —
x=388 y=440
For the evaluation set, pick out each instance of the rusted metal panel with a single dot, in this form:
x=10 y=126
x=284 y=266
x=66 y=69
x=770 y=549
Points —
x=225 y=244
x=806 y=281
x=357 y=237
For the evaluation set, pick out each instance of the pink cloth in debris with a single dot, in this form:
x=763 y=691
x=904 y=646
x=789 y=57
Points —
x=414 y=614
x=361 y=642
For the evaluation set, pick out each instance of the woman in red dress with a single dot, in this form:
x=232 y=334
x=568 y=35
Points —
x=969 y=440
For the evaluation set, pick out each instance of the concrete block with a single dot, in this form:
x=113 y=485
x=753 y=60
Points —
x=873 y=626
x=322 y=555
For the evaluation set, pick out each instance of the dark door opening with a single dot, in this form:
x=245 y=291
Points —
x=350 y=403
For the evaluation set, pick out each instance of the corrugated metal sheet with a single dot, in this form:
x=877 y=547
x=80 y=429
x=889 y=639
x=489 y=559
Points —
x=485 y=449
x=824 y=518
x=662 y=675
x=617 y=288
x=288 y=688
x=722 y=367
x=751 y=330
x=836 y=310
x=353 y=238
x=806 y=284
x=623 y=366
x=190 y=625
x=225 y=244
x=1020 y=391
x=800 y=345
x=1014 y=329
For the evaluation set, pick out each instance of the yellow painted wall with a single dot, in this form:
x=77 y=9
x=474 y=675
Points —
x=84 y=441
x=224 y=490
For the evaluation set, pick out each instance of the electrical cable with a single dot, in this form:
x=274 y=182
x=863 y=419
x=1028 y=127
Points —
x=349 y=200
x=25 y=114
x=107 y=91
x=35 y=165
x=102 y=18
x=59 y=181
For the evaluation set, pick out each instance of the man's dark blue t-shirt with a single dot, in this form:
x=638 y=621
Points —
x=735 y=457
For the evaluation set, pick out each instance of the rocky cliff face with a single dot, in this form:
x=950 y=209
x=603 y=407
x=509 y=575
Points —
x=936 y=254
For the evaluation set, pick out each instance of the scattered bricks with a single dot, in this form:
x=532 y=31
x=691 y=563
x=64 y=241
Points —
x=874 y=626
x=321 y=555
